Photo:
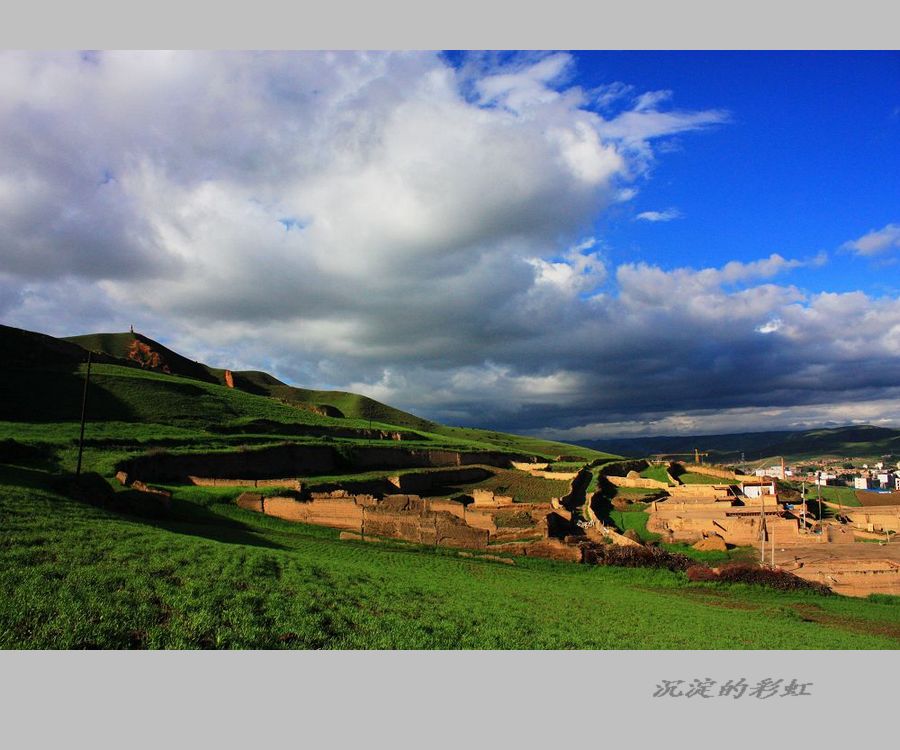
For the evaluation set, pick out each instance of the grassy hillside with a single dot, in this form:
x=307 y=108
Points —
x=133 y=409
x=350 y=405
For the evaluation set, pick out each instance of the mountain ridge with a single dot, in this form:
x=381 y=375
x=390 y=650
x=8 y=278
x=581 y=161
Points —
x=850 y=441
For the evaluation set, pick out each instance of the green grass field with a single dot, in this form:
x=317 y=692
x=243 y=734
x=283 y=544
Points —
x=214 y=576
x=692 y=478
x=657 y=472
x=844 y=495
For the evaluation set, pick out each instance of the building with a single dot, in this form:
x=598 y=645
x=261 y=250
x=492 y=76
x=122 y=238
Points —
x=758 y=487
x=862 y=483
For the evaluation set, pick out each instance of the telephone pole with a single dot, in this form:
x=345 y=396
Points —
x=803 y=500
x=762 y=527
x=83 y=413
x=821 y=508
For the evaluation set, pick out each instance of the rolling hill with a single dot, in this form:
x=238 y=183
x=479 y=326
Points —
x=138 y=380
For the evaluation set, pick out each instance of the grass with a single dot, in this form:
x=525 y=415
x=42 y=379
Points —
x=844 y=495
x=657 y=472
x=692 y=478
x=714 y=557
x=77 y=576
x=633 y=520
x=523 y=487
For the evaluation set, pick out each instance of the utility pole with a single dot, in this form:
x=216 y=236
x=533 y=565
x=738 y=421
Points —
x=803 y=500
x=762 y=527
x=821 y=508
x=83 y=413
x=772 y=544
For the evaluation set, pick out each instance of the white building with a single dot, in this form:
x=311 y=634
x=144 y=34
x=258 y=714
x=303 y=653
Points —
x=772 y=471
x=759 y=487
x=885 y=479
x=825 y=478
x=862 y=483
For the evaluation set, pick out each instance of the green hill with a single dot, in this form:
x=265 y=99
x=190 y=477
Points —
x=328 y=403
x=43 y=380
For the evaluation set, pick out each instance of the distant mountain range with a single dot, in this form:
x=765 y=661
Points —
x=857 y=441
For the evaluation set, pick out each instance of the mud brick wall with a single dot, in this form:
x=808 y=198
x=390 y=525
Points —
x=387 y=458
x=883 y=518
x=341 y=513
x=712 y=470
x=421 y=483
x=700 y=490
x=692 y=504
x=768 y=502
x=621 y=468
x=406 y=517
x=250 y=501
x=552 y=549
x=487 y=499
x=297 y=460
x=447 y=506
x=564 y=476
x=651 y=484
x=264 y=463
x=480 y=518
x=740 y=530
x=412 y=522
x=291 y=483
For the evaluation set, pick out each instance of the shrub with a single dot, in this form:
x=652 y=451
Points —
x=635 y=557
x=700 y=573
x=776 y=579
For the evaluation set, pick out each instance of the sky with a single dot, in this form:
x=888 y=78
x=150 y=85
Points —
x=572 y=245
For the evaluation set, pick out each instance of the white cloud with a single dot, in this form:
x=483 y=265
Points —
x=668 y=215
x=877 y=241
x=772 y=326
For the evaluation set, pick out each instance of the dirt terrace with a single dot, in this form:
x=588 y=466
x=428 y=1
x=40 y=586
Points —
x=856 y=569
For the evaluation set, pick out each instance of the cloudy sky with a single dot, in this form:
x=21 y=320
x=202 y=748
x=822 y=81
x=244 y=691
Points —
x=573 y=245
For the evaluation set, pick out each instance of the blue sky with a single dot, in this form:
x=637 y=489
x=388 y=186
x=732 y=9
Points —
x=574 y=245
x=809 y=159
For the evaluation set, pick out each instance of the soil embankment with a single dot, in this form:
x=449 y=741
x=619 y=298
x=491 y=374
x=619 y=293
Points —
x=296 y=460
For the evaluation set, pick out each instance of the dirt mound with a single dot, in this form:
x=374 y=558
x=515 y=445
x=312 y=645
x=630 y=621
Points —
x=713 y=543
x=878 y=498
